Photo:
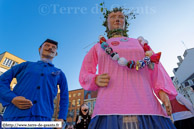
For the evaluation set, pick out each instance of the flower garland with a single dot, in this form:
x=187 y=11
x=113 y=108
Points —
x=149 y=59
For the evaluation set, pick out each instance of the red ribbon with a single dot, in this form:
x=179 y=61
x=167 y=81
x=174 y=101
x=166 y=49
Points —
x=155 y=57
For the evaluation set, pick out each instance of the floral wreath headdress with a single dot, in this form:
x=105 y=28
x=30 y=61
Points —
x=128 y=16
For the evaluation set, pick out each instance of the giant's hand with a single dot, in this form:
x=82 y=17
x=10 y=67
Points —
x=102 y=80
x=21 y=102
x=165 y=100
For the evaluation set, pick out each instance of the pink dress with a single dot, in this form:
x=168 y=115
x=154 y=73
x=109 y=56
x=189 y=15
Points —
x=129 y=92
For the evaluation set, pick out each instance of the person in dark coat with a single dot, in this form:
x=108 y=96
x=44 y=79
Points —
x=83 y=119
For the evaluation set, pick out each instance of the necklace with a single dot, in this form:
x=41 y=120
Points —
x=149 y=59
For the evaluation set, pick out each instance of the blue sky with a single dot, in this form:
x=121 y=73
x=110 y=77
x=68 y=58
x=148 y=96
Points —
x=75 y=24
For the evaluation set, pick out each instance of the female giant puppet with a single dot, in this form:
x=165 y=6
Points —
x=126 y=80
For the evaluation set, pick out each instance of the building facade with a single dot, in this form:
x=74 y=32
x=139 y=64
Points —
x=184 y=75
x=56 y=105
x=8 y=60
x=76 y=99
x=90 y=100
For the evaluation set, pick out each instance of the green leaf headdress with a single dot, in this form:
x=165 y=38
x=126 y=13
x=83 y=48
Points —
x=128 y=16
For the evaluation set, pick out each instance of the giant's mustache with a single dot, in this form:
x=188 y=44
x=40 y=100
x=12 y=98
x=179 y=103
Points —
x=49 y=50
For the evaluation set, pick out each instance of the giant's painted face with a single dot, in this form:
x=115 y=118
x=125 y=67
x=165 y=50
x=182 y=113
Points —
x=48 y=50
x=116 y=20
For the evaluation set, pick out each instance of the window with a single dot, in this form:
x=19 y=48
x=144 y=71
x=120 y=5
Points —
x=68 y=114
x=176 y=82
x=14 y=63
x=72 y=113
x=1 y=73
x=78 y=94
x=69 y=104
x=77 y=111
x=55 y=105
x=7 y=62
x=69 y=95
x=186 y=83
x=89 y=96
x=94 y=103
x=73 y=103
x=89 y=104
x=74 y=95
x=78 y=102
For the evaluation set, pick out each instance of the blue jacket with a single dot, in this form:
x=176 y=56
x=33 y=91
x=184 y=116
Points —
x=36 y=81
